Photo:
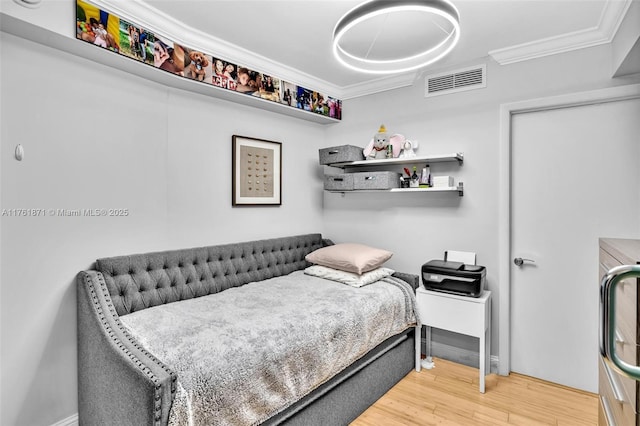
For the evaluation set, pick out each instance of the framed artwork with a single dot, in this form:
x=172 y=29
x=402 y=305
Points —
x=256 y=172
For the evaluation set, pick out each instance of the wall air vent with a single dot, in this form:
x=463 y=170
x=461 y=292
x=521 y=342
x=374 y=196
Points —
x=457 y=81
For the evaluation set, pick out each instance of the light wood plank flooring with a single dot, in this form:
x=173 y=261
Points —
x=448 y=395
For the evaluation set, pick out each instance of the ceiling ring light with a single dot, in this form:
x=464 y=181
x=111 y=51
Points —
x=434 y=52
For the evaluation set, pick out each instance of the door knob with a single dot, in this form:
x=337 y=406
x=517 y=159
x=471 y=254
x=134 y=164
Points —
x=520 y=261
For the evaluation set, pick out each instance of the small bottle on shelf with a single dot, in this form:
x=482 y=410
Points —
x=425 y=177
x=415 y=181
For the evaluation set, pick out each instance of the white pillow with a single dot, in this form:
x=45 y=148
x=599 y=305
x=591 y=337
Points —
x=349 y=278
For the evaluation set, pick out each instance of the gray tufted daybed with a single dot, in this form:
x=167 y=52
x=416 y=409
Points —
x=129 y=306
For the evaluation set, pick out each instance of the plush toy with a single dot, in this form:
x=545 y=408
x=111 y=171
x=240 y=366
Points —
x=377 y=148
x=380 y=143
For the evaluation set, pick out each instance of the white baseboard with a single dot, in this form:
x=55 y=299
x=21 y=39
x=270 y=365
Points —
x=460 y=355
x=69 y=421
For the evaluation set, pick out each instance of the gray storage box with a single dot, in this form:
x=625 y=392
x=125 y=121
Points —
x=339 y=182
x=340 y=154
x=376 y=180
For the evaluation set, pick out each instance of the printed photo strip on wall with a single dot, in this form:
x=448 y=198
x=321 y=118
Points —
x=108 y=31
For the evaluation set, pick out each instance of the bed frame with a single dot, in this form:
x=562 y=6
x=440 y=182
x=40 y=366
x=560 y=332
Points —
x=119 y=382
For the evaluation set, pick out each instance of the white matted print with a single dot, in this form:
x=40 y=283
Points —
x=256 y=172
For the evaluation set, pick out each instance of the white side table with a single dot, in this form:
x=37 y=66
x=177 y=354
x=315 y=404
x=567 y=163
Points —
x=460 y=314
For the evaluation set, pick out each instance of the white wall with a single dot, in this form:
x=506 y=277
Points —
x=421 y=227
x=95 y=137
x=199 y=173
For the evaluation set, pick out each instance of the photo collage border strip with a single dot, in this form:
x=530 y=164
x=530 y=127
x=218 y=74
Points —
x=106 y=30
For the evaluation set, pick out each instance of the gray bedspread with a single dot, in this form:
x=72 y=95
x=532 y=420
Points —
x=249 y=352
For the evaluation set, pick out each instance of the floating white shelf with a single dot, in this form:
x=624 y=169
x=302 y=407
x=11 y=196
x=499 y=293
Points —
x=458 y=156
x=40 y=35
x=459 y=189
x=351 y=166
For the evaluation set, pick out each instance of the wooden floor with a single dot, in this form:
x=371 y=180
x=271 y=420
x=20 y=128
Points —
x=448 y=395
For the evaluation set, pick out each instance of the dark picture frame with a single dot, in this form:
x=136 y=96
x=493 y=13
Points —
x=256 y=172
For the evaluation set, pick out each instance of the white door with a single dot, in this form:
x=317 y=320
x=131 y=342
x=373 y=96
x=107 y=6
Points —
x=575 y=178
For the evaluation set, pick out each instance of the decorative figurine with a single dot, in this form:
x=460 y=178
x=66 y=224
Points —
x=408 y=148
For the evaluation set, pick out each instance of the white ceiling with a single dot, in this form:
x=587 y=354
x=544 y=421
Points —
x=295 y=35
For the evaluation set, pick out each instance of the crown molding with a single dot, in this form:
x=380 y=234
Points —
x=378 y=85
x=610 y=20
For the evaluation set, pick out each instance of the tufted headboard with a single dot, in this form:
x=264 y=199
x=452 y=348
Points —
x=144 y=280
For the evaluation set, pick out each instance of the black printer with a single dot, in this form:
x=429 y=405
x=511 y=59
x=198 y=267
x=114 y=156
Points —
x=453 y=277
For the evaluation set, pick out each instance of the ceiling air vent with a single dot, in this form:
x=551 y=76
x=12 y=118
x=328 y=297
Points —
x=456 y=81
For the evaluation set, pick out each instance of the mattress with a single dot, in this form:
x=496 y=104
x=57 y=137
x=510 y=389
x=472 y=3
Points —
x=248 y=353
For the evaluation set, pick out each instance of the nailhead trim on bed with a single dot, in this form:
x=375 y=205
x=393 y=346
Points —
x=146 y=370
x=144 y=280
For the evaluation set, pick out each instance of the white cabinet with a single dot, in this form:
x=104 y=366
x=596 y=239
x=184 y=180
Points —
x=460 y=314
x=386 y=164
